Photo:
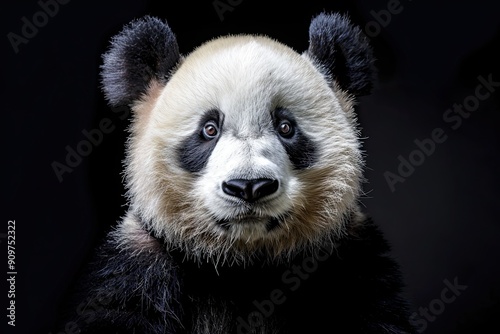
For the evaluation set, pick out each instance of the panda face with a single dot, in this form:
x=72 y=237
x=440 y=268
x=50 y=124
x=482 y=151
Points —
x=246 y=168
x=247 y=147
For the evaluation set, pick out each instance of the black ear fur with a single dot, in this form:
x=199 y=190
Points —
x=144 y=50
x=343 y=51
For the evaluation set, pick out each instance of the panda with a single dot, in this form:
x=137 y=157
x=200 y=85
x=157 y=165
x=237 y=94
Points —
x=244 y=173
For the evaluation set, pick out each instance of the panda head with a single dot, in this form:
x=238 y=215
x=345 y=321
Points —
x=244 y=147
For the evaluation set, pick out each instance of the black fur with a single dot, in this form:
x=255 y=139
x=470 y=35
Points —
x=195 y=150
x=353 y=289
x=144 y=50
x=300 y=149
x=343 y=51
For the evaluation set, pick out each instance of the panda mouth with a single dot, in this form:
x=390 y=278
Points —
x=271 y=223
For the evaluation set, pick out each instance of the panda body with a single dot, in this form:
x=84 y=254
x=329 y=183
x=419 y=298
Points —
x=244 y=172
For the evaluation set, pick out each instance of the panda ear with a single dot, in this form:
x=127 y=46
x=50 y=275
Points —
x=145 y=50
x=342 y=52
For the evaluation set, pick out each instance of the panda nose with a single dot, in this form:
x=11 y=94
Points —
x=250 y=190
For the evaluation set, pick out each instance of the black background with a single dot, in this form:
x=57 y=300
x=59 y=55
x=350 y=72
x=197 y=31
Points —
x=442 y=220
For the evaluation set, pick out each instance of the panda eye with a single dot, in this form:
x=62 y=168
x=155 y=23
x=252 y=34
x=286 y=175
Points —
x=285 y=129
x=210 y=130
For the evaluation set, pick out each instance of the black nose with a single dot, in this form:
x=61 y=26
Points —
x=250 y=190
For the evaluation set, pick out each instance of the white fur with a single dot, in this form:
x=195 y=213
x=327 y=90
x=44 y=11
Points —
x=246 y=78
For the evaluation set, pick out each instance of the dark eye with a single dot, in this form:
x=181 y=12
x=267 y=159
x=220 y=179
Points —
x=285 y=129
x=210 y=130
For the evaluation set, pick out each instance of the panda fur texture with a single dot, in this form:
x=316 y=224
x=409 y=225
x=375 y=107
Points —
x=243 y=175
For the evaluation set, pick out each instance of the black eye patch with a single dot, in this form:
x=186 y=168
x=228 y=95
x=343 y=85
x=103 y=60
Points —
x=196 y=149
x=300 y=149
